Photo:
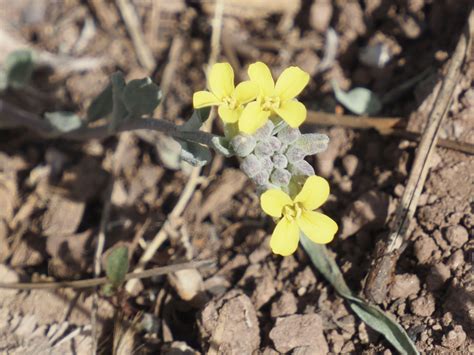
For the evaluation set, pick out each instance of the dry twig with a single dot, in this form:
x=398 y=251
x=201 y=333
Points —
x=130 y=17
x=157 y=271
x=388 y=251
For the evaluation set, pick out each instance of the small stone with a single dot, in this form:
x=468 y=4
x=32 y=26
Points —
x=320 y=15
x=455 y=338
x=457 y=236
x=424 y=248
x=456 y=259
x=284 y=306
x=299 y=330
x=423 y=306
x=229 y=325
x=8 y=275
x=404 y=285
x=350 y=163
x=438 y=275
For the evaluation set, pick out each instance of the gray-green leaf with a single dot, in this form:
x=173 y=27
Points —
x=117 y=265
x=63 y=121
x=19 y=68
x=141 y=97
x=195 y=154
x=119 y=111
x=360 y=101
x=101 y=106
x=372 y=315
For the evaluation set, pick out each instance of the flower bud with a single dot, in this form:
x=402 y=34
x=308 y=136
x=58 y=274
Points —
x=243 y=145
x=280 y=161
x=275 y=143
x=301 y=168
x=263 y=148
x=266 y=163
x=289 y=135
x=262 y=178
x=295 y=154
x=264 y=131
x=280 y=177
x=251 y=165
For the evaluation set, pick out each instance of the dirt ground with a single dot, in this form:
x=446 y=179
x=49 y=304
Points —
x=52 y=192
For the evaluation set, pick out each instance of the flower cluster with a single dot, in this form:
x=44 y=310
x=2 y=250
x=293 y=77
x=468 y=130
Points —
x=264 y=117
x=251 y=103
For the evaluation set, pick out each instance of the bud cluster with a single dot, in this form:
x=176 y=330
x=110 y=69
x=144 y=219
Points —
x=274 y=154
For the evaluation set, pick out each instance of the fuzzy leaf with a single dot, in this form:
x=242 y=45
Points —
x=63 y=121
x=360 y=101
x=222 y=146
x=195 y=154
x=19 y=68
x=101 y=106
x=198 y=117
x=119 y=111
x=373 y=316
x=141 y=97
x=117 y=265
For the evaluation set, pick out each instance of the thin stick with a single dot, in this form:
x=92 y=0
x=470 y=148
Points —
x=132 y=22
x=12 y=116
x=384 y=125
x=193 y=180
x=157 y=271
x=388 y=251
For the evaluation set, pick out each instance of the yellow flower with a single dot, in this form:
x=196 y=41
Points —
x=274 y=98
x=224 y=94
x=298 y=214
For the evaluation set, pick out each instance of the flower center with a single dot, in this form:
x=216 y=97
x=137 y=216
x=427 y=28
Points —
x=270 y=103
x=231 y=102
x=293 y=211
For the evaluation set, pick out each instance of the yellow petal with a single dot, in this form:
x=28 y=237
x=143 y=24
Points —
x=252 y=118
x=203 y=99
x=221 y=80
x=317 y=226
x=228 y=115
x=285 y=237
x=245 y=92
x=291 y=82
x=261 y=75
x=314 y=193
x=293 y=112
x=273 y=201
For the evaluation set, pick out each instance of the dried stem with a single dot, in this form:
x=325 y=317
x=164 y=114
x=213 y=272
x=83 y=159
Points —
x=388 y=250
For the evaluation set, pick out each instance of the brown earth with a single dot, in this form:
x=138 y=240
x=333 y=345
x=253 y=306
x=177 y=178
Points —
x=52 y=192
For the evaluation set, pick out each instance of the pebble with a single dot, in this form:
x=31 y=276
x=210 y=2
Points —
x=424 y=248
x=230 y=325
x=299 y=330
x=456 y=259
x=284 y=306
x=404 y=285
x=320 y=15
x=438 y=275
x=350 y=163
x=457 y=236
x=455 y=338
x=423 y=306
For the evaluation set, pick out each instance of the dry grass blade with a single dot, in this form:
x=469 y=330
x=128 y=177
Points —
x=103 y=280
x=388 y=251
